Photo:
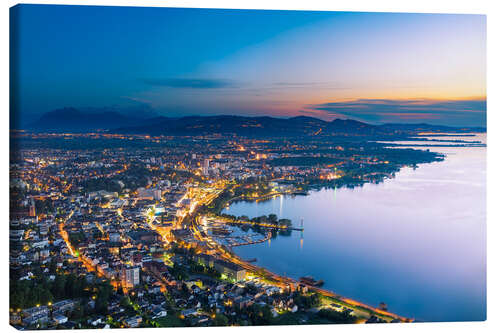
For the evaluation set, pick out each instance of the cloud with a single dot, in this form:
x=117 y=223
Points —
x=190 y=83
x=312 y=85
x=458 y=112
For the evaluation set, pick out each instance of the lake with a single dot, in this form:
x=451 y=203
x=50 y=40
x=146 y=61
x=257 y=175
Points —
x=416 y=242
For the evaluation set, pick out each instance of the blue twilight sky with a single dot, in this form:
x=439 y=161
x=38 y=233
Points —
x=375 y=67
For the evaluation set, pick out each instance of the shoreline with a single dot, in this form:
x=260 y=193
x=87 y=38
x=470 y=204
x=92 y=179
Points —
x=319 y=186
x=289 y=281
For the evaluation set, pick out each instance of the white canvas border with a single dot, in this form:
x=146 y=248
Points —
x=423 y=6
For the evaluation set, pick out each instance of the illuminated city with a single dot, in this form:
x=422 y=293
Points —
x=127 y=219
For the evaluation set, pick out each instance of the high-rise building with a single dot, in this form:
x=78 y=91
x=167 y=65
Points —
x=32 y=208
x=157 y=194
x=206 y=166
x=130 y=276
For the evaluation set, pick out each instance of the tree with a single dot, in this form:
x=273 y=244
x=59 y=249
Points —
x=125 y=301
x=78 y=312
x=220 y=320
x=68 y=288
x=260 y=315
x=306 y=302
x=53 y=267
x=336 y=317
x=103 y=294
x=285 y=222
x=58 y=286
x=17 y=300
x=46 y=296
x=101 y=305
x=178 y=272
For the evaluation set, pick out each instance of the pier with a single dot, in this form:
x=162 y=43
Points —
x=268 y=237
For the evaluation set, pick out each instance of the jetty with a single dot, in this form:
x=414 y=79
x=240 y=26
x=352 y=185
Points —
x=268 y=237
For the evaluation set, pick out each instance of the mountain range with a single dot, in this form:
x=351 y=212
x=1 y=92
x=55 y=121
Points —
x=74 y=120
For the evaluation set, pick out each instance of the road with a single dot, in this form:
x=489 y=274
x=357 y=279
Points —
x=87 y=263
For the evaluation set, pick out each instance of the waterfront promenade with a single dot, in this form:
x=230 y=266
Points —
x=282 y=281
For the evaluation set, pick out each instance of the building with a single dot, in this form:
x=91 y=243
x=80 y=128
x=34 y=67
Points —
x=230 y=269
x=59 y=319
x=189 y=312
x=114 y=237
x=144 y=194
x=158 y=312
x=44 y=229
x=133 y=321
x=34 y=315
x=157 y=194
x=243 y=302
x=102 y=194
x=205 y=260
x=16 y=235
x=206 y=166
x=14 y=318
x=131 y=276
x=32 y=208
x=63 y=306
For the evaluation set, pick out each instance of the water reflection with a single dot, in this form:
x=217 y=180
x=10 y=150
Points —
x=416 y=242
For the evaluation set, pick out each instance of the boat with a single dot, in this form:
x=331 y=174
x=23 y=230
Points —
x=311 y=281
x=221 y=231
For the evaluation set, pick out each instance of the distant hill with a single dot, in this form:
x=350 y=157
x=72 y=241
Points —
x=430 y=128
x=346 y=126
x=74 y=120
x=244 y=126
x=269 y=127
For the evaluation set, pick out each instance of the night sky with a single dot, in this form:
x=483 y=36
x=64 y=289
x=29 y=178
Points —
x=374 y=67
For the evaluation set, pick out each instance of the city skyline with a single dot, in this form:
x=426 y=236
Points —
x=372 y=67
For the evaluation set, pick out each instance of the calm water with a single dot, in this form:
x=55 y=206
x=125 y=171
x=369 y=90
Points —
x=416 y=242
